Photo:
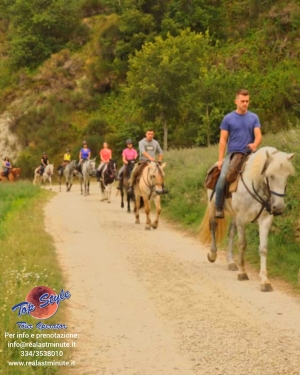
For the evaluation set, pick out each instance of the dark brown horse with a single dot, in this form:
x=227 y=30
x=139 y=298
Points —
x=124 y=184
x=13 y=175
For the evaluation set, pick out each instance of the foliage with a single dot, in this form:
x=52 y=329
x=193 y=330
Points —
x=39 y=29
x=27 y=261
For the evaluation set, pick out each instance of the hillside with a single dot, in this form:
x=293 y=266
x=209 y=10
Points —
x=105 y=70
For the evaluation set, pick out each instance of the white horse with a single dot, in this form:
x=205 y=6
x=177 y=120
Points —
x=88 y=169
x=259 y=196
x=107 y=178
x=46 y=176
x=147 y=188
x=68 y=173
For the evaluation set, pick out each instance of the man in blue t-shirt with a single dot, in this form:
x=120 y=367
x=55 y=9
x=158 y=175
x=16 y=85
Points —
x=240 y=132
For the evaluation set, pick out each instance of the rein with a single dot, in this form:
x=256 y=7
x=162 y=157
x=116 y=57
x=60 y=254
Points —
x=149 y=184
x=265 y=204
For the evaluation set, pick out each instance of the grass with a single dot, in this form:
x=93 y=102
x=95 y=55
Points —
x=185 y=173
x=28 y=259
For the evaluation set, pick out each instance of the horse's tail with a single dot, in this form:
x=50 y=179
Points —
x=204 y=230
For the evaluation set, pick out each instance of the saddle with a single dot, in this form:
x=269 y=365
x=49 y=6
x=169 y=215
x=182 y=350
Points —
x=212 y=177
x=236 y=167
x=141 y=166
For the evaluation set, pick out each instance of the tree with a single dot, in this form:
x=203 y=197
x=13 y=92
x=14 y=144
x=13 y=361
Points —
x=162 y=73
x=40 y=28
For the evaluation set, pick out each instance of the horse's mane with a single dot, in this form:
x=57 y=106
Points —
x=258 y=162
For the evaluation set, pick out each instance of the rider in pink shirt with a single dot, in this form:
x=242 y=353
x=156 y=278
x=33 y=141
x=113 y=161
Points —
x=128 y=154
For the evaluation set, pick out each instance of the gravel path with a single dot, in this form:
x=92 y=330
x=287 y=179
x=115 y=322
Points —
x=149 y=303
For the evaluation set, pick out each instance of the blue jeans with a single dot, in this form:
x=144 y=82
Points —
x=222 y=182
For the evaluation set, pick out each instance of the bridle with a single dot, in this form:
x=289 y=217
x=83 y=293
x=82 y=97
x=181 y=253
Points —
x=265 y=203
x=149 y=182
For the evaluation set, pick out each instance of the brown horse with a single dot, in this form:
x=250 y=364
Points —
x=124 y=183
x=13 y=175
x=147 y=188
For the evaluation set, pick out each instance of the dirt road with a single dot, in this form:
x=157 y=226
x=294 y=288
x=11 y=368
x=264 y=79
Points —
x=149 y=303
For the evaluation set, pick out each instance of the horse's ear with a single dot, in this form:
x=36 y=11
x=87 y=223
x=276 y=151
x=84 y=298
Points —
x=267 y=162
x=163 y=165
x=290 y=156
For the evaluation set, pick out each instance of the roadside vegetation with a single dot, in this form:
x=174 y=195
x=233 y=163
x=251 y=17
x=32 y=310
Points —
x=28 y=259
x=185 y=173
x=108 y=69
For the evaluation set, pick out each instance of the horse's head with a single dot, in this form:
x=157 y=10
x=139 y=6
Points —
x=156 y=174
x=16 y=172
x=49 y=169
x=111 y=167
x=276 y=170
x=92 y=167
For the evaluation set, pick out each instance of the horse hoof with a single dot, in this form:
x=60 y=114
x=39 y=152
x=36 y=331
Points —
x=128 y=211
x=154 y=226
x=137 y=222
x=267 y=287
x=232 y=267
x=243 y=276
x=212 y=257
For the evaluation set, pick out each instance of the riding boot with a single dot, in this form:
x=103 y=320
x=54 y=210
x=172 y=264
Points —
x=98 y=175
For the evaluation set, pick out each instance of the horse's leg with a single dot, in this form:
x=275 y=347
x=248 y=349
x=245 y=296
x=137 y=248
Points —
x=122 y=196
x=147 y=212
x=231 y=234
x=70 y=182
x=128 y=203
x=108 y=192
x=88 y=187
x=137 y=208
x=242 y=275
x=158 y=211
x=264 y=223
x=50 y=182
x=212 y=255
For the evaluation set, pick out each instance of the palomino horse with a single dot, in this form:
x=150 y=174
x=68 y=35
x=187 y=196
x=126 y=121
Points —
x=108 y=175
x=259 y=196
x=124 y=184
x=13 y=175
x=46 y=176
x=146 y=189
x=88 y=169
x=68 y=173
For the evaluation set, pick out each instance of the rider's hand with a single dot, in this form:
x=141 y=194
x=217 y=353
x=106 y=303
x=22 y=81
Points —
x=220 y=164
x=252 y=146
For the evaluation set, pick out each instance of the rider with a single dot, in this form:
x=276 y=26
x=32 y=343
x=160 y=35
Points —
x=66 y=161
x=148 y=147
x=105 y=156
x=84 y=154
x=128 y=155
x=44 y=163
x=240 y=132
x=6 y=165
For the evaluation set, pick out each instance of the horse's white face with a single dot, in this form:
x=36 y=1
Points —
x=49 y=169
x=156 y=173
x=276 y=174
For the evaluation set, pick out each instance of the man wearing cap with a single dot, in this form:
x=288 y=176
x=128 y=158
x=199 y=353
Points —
x=128 y=155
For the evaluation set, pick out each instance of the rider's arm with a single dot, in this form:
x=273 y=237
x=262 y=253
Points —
x=89 y=155
x=257 y=139
x=124 y=160
x=80 y=155
x=222 y=147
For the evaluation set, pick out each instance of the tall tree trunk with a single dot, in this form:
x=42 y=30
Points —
x=165 y=127
x=207 y=127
